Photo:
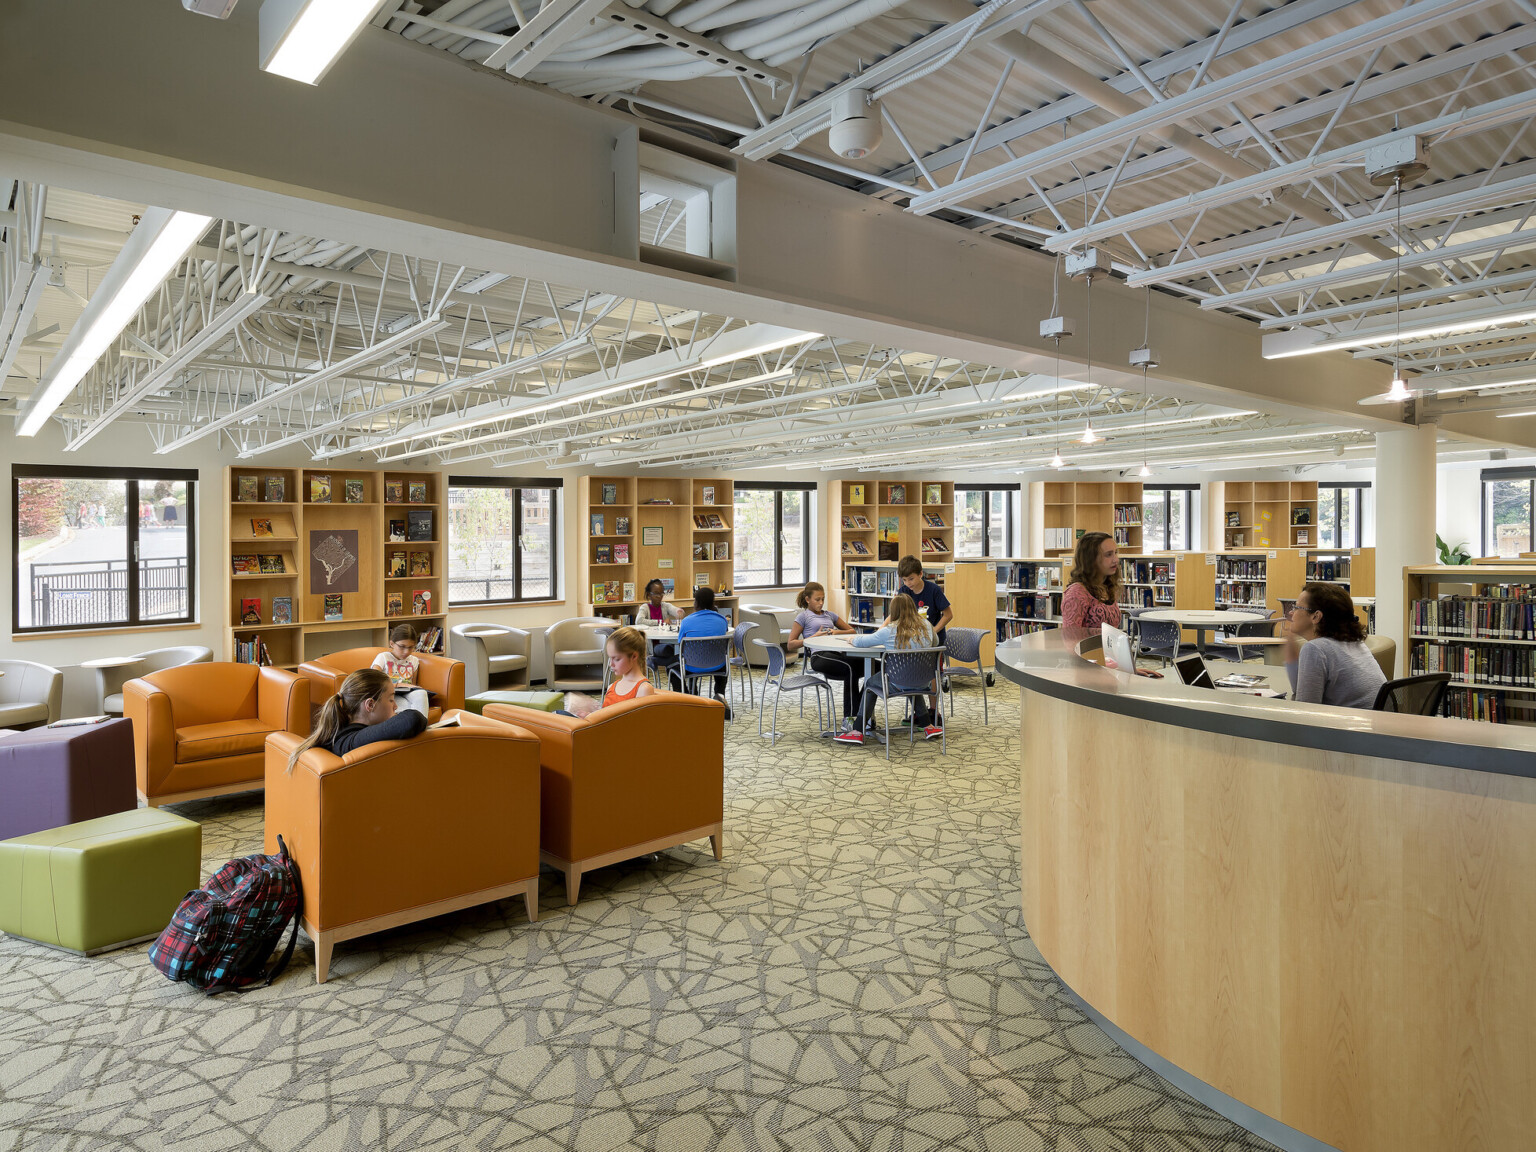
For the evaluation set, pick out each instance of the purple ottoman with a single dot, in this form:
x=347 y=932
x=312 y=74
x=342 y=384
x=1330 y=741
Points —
x=50 y=777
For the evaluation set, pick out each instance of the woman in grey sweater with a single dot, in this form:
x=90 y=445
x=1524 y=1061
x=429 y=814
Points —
x=1335 y=667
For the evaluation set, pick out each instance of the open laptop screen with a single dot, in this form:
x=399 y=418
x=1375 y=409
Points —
x=1193 y=672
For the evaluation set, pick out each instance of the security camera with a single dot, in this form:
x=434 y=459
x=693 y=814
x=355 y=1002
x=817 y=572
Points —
x=856 y=130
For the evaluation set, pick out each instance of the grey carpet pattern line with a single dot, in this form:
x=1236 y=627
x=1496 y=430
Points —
x=855 y=975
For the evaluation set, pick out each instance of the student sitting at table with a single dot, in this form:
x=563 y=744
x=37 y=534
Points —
x=626 y=660
x=703 y=621
x=814 y=620
x=656 y=610
x=905 y=627
x=1334 y=667
x=931 y=599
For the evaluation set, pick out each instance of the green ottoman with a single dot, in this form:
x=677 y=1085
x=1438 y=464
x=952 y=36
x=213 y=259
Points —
x=100 y=884
x=538 y=701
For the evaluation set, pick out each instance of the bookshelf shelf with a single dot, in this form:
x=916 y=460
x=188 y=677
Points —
x=1482 y=630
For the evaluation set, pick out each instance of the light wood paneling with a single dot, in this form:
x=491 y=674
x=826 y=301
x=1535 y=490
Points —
x=1341 y=942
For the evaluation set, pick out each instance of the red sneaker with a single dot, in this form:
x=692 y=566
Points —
x=933 y=731
x=852 y=736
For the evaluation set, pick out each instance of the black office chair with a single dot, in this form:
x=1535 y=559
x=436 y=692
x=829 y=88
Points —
x=1414 y=695
x=1259 y=628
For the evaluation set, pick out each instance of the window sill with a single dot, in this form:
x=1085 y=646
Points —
x=739 y=590
x=122 y=630
x=481 y=605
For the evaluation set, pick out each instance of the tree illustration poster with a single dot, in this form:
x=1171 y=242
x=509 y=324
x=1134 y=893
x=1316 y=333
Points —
x=332 y=561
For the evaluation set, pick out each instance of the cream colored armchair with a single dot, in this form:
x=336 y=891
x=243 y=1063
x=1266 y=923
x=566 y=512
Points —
x=489 y=650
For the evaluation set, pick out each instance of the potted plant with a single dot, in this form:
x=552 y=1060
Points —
x=1461 y=554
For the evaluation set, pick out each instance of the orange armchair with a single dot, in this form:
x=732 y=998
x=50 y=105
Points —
x=441 y=677
x=634 y=778
x=404 y=830
x=199 y=729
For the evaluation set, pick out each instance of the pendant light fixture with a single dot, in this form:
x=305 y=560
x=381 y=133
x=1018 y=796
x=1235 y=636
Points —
x=1399 y=390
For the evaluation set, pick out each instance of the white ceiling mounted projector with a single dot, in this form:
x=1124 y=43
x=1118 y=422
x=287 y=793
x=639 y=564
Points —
x=856 y=129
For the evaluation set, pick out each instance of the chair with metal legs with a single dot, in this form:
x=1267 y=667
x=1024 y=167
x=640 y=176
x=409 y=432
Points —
x=781 y=682
x=963 y=646
x=907 y=674
x=701 y=657
x=740 y=664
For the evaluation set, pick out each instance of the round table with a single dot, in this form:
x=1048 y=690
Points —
x=1200 y=620
x=100 y=665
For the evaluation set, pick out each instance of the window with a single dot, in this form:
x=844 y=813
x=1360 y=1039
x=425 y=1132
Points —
x=773 y=534
x=1340 y=514
x=502 y=535
x=102 y=547
x=1507 y=511
x=1168 y=517
x=984 y=519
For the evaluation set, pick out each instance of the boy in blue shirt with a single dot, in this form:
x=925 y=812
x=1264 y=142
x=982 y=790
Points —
x=703 y=621
x=931 y=600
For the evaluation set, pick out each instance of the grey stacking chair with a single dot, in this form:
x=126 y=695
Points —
x=740 y=664
x=1160 y=638
x=712 y=652
x=781 y=682
x=908 y=674
x=963 y=646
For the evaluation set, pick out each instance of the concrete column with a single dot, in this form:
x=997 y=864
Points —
x=1214 y=498
x=1405 y=521
x=1034 y=519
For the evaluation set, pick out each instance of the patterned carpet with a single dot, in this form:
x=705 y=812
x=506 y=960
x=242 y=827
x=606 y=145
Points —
x=855 y=975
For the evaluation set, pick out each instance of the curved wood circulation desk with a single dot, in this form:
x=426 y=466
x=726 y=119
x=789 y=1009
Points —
x=1327 y=915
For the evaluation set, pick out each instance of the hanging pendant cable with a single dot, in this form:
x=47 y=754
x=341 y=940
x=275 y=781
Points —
x=1399 y=389
x=1146 y=334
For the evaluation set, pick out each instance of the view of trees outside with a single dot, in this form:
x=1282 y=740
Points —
x=1508 y=517
x=539 y=543
x=72 y=554
x=1154 y=521
x=1338 y=517
x=481 y=528
x=979 y=515
x=754 y=538
x=794 y=559
x=1166 y=517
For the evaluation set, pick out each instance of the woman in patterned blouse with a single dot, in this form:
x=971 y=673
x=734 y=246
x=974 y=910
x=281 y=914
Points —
x=1091 y=597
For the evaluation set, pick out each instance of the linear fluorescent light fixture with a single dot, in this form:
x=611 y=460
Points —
x=301 y=39
x=1388 y=336
x=155 y=246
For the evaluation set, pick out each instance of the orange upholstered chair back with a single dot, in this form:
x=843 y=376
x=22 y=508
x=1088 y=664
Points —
x=209 y=693
x=349 y=659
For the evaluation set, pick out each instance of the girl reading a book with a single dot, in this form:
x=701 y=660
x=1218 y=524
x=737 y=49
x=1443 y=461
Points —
x=400 y=663
x=363 y=712
x=814 y=620
x=626 y=660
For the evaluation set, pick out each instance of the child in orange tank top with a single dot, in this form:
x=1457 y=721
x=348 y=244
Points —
x=626 y=660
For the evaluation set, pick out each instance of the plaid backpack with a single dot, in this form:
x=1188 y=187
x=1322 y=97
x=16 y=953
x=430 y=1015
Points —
x=222 y=936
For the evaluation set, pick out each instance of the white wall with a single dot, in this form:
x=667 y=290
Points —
x=1458 y=504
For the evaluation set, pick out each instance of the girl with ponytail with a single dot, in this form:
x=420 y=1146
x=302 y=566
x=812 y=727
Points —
x=363 y=712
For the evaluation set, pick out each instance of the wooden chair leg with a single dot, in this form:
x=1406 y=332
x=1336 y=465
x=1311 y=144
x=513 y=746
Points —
x=531 y=902
x=717 y=844
x=572 y=885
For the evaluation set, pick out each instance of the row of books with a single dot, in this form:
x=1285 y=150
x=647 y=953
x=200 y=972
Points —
x=598 y=525
x=1129 y=514
x=1471 y=704
x=855 y=548
x=719 y=550
x=1327 y=570
x=1241 y=595
x=1060 y=538
x=897 y=494
x=610 y=554
x=1025 y=575
x=934 y=544
x=1123 y=537
x=1241 y=569
x=249 y=565
x=430 y=640
x=1033 y=605
x=1146 y=597
x=1008 y=629
x=1474 y=617
x=252 y=651
x=417 y=526
x=709 y=522
x=409 y=564
x=1146 y=572
x=1497 y=667
x=248 y=489
x=873 y=581
x=857 y=523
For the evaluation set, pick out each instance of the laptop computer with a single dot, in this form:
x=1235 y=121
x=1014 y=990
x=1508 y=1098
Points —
x=1192 y=671
x=1117 y=647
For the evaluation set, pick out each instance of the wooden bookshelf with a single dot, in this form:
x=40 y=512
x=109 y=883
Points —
x=295 y=522
x=888 y=518
x=871 y=585
x=1479 y=624
x=428 y=488
x=1068 y=510
x=1253 y=577
x=971 y=587
x=681 y=516
x=1264 y=514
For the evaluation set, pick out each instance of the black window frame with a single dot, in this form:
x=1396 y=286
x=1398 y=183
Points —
x=132 y=477
x=1189 y=520
x=986 y=516
x=1341 y=486
x=778 y=488
x=1526 y=473
x=555 y=486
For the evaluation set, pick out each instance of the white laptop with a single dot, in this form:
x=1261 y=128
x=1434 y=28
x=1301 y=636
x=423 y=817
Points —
x=1117 y=648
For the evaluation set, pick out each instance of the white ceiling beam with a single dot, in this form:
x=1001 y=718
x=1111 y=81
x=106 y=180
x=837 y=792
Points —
x=1406 y=22
x=1386 y=301
x=1494 y=114
x=558 y=22
x=1461 y=317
